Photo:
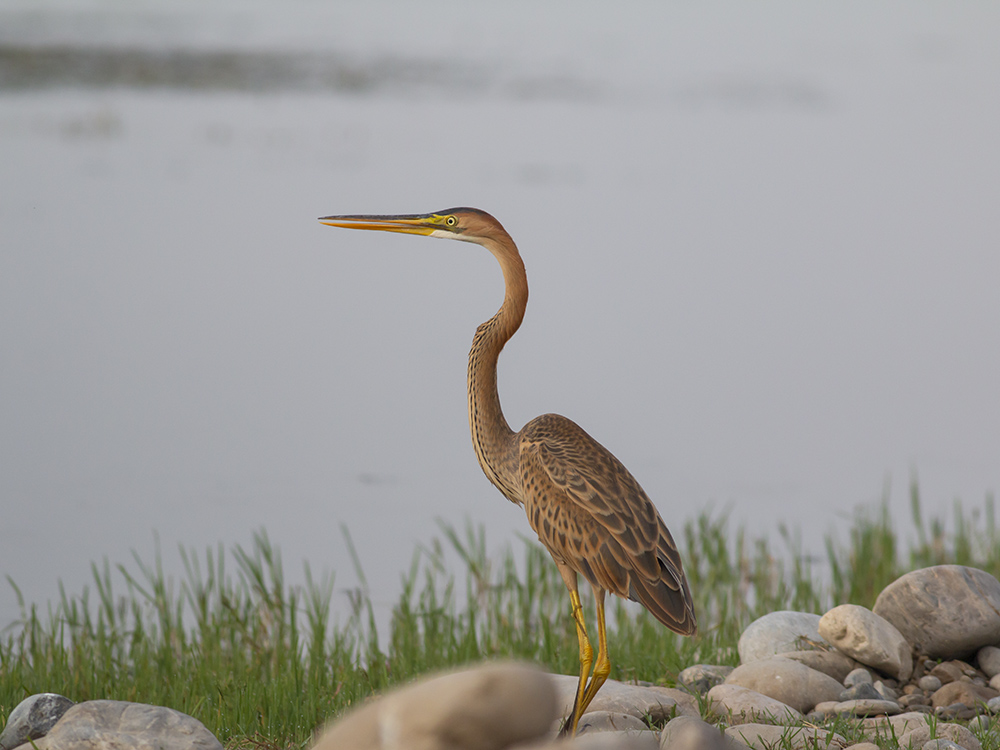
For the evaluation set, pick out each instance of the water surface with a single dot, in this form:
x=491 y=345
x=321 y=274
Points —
x=762 y=247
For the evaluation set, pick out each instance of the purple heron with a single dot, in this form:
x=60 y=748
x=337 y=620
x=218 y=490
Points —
x=587 y=509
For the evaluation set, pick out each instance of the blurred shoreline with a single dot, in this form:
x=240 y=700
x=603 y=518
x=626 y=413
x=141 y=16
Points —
x=34 y=67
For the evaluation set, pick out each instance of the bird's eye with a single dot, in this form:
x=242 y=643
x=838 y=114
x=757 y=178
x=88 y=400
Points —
x=451 y=221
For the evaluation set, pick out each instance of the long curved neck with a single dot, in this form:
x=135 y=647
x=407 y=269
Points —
x=492 y=437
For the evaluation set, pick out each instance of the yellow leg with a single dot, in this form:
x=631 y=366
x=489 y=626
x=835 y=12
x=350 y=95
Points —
x=603 y=666
x=586 y=659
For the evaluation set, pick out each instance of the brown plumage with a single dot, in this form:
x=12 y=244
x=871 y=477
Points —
x=586 y=508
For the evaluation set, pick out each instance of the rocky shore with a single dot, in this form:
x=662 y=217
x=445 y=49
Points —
x=921 y=669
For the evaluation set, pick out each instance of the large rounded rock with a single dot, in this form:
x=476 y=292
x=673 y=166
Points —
x=882 y=727
x=766 y=736
x=33 y=718
x=688 y=733
x=788 y=681
x=595 y=741
x=109 y=725
x=486 y=708
x=947 y=611
x=867 y=707
x=777 y=632
x=608 y=721
x=740 y=705
x=833 y=663
x=657 y=703
x=967 y=693
x=958 y=734
x=868 y=638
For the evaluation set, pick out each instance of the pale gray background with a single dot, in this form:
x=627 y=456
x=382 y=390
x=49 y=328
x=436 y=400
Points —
x=762 y=242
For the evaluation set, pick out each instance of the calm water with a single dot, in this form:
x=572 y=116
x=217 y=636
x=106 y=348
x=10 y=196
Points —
x=763 y=252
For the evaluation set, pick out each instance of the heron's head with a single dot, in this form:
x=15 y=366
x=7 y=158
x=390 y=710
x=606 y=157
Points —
x=466 y=224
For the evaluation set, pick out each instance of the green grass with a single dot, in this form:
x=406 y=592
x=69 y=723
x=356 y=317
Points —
x=262 y=664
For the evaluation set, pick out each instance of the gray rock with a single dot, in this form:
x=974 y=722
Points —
x=914 y=699
x=658 y=703
x=486 y=708
x=929 y=682
x=767 y=736
x=884 y=727
x=823 y=710
x=857 y=677
x=788 y=681
x=868 y=638
x=988 y=660
x=967 y=693
x=861 y=691
x=995 y=682
x=608 y=721
x=993 y=705
x=703 y=677
x=739 y=705
x=920 y=736
x=947 y=611
x=110 y=725
x=868 y=708
x=32 y=718
x=955 y=711
x=980 y=725
x=863 y=746
x=832 y=663
x=885 y=691
x=947 y=671
x=778 y=632
x=941 y=745
x=688 y=733
x=595 y=741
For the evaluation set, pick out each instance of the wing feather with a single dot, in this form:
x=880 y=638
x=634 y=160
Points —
x=591 y=514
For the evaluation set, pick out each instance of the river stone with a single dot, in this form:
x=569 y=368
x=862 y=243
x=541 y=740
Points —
x=958 y=734
x=777 y=632
x=833 y=663
x=486 y=708
x=658 y=703
x=963 y=692
x=947 y=671
x=608 y=721
x=914 y=699
x=863 y=746
x=861 y=691
x=767 y=736
x=740 y=705
x=788 y=681
x=869 y=639
x=982 y=724
x=941 y=745
x=857 y=677
x=863 y=707
x=988 y=660
x=688 y=733
x=110 y=725
x=33 y=718
x=947 y=611
x=886 y=727
x=955 y=711
x=929 y=682
x=703 y=677
x=595 y=741
x=886 y=692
